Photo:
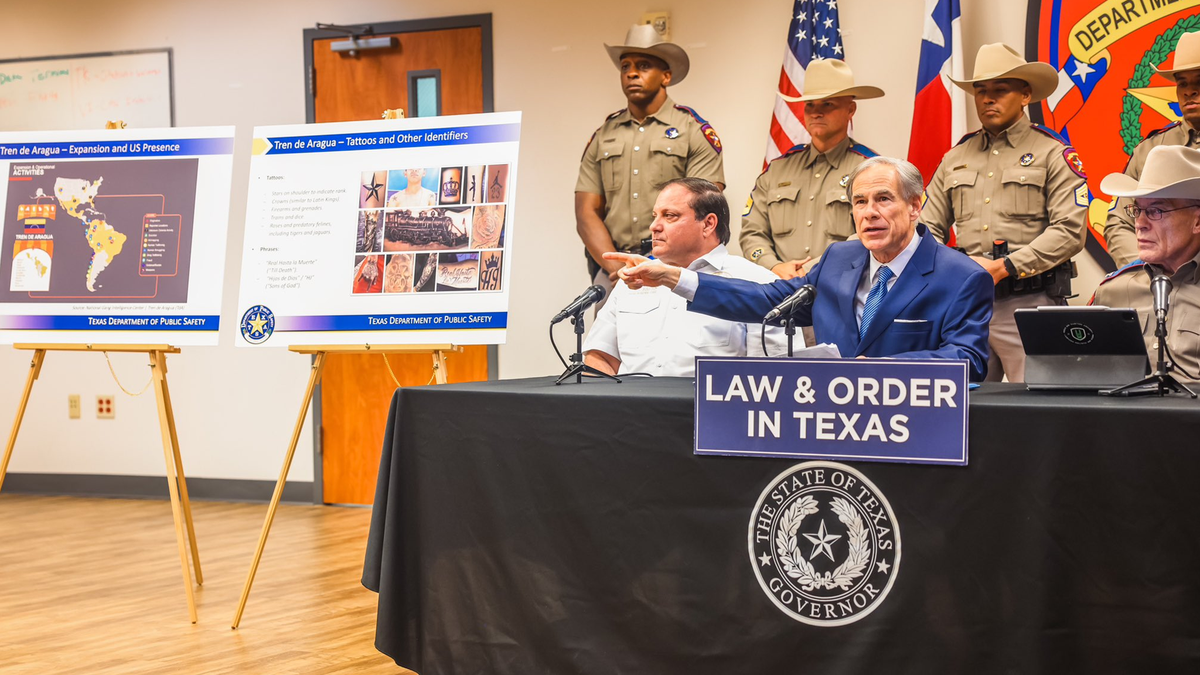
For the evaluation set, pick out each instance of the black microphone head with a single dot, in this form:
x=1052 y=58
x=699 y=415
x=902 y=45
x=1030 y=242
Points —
x=598 y=291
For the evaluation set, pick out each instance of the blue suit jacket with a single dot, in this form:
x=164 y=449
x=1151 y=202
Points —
x=939 y=308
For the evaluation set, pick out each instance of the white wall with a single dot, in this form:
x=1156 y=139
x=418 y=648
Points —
x=241 y=63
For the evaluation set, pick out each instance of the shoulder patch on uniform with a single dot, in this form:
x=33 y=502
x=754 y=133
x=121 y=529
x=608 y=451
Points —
x=756 y=254
x=1072 y=156
x=615 y=114
x=969 y=136
x=710 y=134
x=1049 y=132
x=695 y=115
x=860 y=149
x=749 y=205
x=1169 y=127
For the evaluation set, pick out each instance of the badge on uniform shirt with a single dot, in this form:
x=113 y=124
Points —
x=672 y=132
x=757 y=253
x=784 y=183
x=845 y=180
x=1027 y=159
x=750 y=205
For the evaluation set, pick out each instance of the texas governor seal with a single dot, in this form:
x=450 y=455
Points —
x=824 y=544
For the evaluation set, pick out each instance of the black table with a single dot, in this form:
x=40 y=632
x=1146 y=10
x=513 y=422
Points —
x=525 y=528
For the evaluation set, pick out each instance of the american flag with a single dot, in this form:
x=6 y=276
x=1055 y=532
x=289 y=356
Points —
x=813 y=34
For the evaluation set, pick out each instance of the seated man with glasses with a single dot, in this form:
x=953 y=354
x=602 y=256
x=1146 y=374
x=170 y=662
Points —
x=1166 y=217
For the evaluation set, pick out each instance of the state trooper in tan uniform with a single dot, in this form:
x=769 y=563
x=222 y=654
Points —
x=1122 y=244
x=1014 y=185
x=638 y=148
x=799 y=206
x=1166 y=215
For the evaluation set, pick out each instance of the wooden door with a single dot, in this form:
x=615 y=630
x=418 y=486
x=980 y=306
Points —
x=356 y=388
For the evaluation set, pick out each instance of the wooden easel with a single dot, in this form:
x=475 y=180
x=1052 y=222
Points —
x=319 y=352
x=181 y=508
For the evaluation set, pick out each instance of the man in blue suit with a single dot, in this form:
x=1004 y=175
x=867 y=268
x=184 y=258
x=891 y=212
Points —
x=895 y=292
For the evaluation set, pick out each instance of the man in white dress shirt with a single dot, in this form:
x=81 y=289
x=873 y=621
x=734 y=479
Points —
x=650 y=330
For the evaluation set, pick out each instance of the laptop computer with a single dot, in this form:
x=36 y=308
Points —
x=1088 y=348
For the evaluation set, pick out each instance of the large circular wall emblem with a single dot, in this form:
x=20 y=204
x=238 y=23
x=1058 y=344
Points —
x=824 y=544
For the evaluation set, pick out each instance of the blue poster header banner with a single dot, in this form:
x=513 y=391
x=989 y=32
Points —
x=876 y=410
x=363 y=322
x=184 y=147
x=151 y=322
x=392 y=140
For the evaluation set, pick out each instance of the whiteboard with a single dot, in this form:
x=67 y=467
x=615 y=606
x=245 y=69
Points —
x=85 y=91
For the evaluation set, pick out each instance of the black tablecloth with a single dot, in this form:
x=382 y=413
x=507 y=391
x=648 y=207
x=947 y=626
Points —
x=525 y=528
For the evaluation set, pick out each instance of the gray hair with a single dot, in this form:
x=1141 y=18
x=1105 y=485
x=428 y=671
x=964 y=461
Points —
x=911 y=183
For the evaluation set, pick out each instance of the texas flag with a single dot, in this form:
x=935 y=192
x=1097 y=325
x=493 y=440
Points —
x=940 y=109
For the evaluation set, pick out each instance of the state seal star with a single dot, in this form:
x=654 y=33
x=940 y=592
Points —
x=764 y=560
x=257 y=324
x=883 y=566
x=821 y=541
x=1082 y=70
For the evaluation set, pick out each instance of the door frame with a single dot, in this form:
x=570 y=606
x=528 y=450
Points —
x=484 y=23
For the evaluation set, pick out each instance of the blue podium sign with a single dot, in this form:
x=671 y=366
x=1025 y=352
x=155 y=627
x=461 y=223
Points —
x=873 y=410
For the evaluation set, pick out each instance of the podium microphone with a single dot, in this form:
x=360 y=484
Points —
x=1160 y=288
x=586 y=299
x=802 y=297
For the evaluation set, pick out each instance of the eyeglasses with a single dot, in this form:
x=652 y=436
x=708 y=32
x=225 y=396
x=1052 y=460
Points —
x=1152 y=213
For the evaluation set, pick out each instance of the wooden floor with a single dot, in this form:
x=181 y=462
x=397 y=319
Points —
x=94 y=586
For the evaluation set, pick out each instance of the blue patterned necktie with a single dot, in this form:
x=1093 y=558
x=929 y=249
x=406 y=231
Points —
x=874 y=299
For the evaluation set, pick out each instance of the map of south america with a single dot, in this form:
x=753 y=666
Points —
x=77 y=197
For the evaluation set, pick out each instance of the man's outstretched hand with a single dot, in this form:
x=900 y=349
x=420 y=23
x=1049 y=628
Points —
x=640 y=271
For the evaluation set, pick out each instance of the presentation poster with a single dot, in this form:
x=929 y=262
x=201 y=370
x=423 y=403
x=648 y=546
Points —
x=114 y=236
x=387 y=232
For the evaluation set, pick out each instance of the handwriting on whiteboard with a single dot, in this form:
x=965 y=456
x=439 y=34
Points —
x=86 y=92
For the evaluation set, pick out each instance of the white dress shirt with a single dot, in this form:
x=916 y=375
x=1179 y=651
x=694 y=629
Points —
x=650 y=330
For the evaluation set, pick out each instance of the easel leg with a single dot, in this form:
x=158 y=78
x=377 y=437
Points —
x=313 y=378
x=157 y=363
x=439 y=366
x=183 y=490
x=35 y=368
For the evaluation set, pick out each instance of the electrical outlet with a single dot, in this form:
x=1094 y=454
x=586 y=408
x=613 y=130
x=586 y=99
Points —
x=74 y=407
x=105 y=408
x=661 y=22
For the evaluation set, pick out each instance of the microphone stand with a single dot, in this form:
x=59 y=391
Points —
x=578 y=368
x=1160 y=382
x=789 y=329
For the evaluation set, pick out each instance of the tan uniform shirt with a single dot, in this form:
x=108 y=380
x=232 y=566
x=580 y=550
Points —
x=799 y=204
x=1118 y=231
x=1022 y=186
x=1130 y=287
x=625 y=160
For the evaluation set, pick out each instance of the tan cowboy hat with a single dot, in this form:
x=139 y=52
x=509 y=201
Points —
x=1170 y=172
x=828 y=78
x=1187 y=55
x=643 y=39
x=998 y=61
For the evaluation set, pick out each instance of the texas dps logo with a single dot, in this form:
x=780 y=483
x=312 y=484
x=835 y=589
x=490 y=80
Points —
x=257 y=324
x=824 y=544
